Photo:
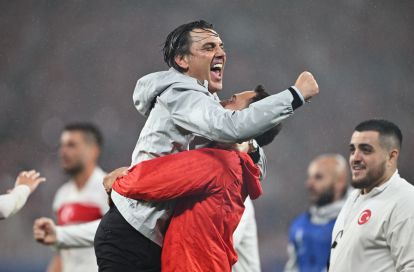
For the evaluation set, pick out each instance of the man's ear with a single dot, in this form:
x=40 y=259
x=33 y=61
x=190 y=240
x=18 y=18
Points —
x=393 y=156
x=182 y=61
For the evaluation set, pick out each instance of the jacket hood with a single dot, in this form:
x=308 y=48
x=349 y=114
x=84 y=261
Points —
x=152 y=85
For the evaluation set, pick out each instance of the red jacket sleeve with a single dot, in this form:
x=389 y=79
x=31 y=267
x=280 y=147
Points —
x=186 y=173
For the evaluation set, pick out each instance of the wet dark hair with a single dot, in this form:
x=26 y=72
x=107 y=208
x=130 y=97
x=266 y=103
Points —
x=267 y=137
x=91 y=132
x=390 y=134
x=178 y=42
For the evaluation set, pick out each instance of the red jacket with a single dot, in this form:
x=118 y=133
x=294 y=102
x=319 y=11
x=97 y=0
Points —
x=211 y=186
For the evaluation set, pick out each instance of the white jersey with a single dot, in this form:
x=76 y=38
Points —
x=74 y=206
x=374 y=231
x=246 y=242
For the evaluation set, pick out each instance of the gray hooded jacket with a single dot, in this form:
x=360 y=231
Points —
x=183 y=115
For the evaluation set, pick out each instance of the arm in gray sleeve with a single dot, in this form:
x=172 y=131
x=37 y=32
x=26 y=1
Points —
x=76 y=236
x=201 y=114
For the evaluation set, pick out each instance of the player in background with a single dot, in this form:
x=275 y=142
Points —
x=81 y=199
x=310 y=232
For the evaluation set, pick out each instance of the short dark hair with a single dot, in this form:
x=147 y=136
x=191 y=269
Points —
x=267 y=137
x=91 y=132
x=390 y=134
x=178 y=42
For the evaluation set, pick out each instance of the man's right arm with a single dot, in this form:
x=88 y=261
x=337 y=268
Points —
x=72 y=236
x=202 y=115
x=182 y=174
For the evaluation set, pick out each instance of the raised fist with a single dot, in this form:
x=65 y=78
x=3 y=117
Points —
x=307 y=85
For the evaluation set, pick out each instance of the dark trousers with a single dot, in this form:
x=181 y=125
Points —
x=120 y=247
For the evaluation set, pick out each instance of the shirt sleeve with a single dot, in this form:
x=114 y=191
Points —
x=401 y=241
x=76 y=236
x=200 y=114
x=291 y=264
x=186 y=173
x=12 y=202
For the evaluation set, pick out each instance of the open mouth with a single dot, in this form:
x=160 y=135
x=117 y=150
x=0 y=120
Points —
x=216 y=71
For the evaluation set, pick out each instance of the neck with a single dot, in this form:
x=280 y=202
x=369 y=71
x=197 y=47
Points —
x=82 y=177
x=385 y=178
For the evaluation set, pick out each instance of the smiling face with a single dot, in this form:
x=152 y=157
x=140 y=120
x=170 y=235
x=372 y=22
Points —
x=371 y=163
x=206 y=59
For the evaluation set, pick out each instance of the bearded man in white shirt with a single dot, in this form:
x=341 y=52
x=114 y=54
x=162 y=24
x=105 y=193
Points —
x=82 y=199
x=374 y=230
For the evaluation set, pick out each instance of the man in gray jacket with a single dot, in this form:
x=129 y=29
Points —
x=183 y=113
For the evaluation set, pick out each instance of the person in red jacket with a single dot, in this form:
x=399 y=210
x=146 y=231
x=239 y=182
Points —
x=211 y=186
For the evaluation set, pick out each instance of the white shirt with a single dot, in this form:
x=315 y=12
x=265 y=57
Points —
x=375 y=231
x=75 y=206
x=12 y=202
x=246 y=242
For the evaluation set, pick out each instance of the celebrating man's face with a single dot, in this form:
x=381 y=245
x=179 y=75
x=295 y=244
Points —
x=206 y=59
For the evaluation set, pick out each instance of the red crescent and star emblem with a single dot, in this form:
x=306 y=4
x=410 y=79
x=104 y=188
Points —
x=364 y=217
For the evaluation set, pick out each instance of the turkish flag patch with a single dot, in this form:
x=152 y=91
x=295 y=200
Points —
x=364 y=217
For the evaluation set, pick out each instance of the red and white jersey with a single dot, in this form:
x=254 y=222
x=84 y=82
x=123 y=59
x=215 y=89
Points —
x=74 y=206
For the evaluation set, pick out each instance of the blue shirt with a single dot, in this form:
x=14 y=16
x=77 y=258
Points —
x=312 y=243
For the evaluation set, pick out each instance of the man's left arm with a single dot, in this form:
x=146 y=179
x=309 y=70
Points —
x=401 y=241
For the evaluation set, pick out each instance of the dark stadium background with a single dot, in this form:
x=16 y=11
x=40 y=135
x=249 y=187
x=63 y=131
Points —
x=63 y=61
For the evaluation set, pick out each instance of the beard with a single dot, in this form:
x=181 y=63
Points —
x=371 y=177
x=74 y=170
x=326 y=197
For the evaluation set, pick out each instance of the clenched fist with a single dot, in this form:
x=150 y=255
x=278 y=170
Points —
x=307 y=85
x=44 y=231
